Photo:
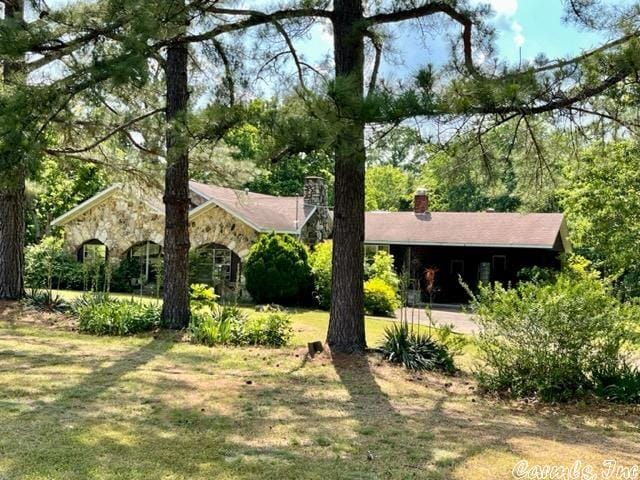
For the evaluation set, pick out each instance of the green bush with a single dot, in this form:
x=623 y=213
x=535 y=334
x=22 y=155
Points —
x=203 y=294
x=551 y=340
x=105 y=316
x=228 y=325
x=380 y=270
x=216 y=325
x=320 y=261
x=48 y=265
x=379 y=298
x=382 y=267
x=277 y=270
x=414 y=350
x=122 y=273
x=271 y=330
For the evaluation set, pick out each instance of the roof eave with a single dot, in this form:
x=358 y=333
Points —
x=85 y=206
x=457 y=244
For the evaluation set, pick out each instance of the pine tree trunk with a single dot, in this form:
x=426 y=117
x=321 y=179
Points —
x=12 y=228
x=175 y=309
x=12 y=197
x=346 y=323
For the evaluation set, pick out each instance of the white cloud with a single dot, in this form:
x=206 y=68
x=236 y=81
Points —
x=518 y=37
x=505 y=11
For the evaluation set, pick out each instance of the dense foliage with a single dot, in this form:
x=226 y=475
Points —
x=213 y=324
x=380 y=298
x=106 y=316
x=278 y=271
x=48 y=265
x=602 y=202
x=380 y=288
x=320 y=261
x=557 y=340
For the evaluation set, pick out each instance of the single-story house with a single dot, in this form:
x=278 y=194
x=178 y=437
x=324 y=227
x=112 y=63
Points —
x=124 y=221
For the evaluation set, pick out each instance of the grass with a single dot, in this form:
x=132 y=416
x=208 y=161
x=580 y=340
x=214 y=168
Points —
x=310 y=325
x=80 y=407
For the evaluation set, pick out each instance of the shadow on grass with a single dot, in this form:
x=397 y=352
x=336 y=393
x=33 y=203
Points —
x=325 y=418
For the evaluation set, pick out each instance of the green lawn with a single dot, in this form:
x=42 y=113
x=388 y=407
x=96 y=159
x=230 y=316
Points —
x=310 y=325
x=79 y=407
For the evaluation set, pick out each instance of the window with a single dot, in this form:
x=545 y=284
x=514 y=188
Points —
x=371 y=250
x=484 y=272
x=214 y=264
x=456 y=267
x=221 y=264
x=93 y=250
x=147 y=256
x=499 y=266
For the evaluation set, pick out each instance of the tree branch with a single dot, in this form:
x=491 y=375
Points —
x=124 y=126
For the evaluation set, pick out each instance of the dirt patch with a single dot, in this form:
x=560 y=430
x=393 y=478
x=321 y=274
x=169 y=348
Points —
x=16 y=313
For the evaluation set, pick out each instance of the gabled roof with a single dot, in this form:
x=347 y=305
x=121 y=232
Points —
x=154 y=203
x=264 y=213
x=469 y=229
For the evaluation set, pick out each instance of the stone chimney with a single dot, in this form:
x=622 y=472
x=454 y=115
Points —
x=319 y=226
x=315 y=191
x=421 y=201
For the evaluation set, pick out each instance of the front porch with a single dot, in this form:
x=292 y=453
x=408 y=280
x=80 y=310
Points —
x=472 y=264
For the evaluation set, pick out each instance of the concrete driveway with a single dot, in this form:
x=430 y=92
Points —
x=443 y=315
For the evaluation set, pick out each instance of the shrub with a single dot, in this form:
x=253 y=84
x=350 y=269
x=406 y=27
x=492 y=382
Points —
x=320 y=261
x=203 y=294
x=379 y=298
x=112 y=317
x=122 y=273
x=216 y=325
x=620 y=384
x=277 y=270
x=272 y=330
x=415 y=350
x=228 y=325
x=48 y=265
x=551 y=340
x=382 y=267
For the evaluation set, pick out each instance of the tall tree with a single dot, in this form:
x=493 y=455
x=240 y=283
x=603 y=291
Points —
x=346 y=321
x=175 y=307
x=12 y=186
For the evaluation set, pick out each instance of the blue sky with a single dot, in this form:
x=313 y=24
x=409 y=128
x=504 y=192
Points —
x=535 y=26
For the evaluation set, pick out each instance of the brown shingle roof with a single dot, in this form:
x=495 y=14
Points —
x=535 y=230
x=263 y=212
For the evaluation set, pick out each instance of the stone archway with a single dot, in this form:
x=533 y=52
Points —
x=215 y=225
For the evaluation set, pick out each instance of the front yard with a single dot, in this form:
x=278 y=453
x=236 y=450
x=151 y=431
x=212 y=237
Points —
x=75 y=407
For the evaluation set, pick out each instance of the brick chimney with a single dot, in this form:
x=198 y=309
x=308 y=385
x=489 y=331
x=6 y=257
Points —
x=421 y=201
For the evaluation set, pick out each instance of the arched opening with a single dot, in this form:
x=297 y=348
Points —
x=144 y=262
x=92 y=251
x=215 y=265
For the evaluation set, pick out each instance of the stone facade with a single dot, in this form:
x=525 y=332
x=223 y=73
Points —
x=319 y=226
x=215 y=225
x=120 y=221
x=127 y=216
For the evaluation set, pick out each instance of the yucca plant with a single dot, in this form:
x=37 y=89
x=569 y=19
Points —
x=45 y=300
x=414 y=350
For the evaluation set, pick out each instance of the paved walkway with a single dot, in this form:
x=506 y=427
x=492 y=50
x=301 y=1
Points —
x=462 y=322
